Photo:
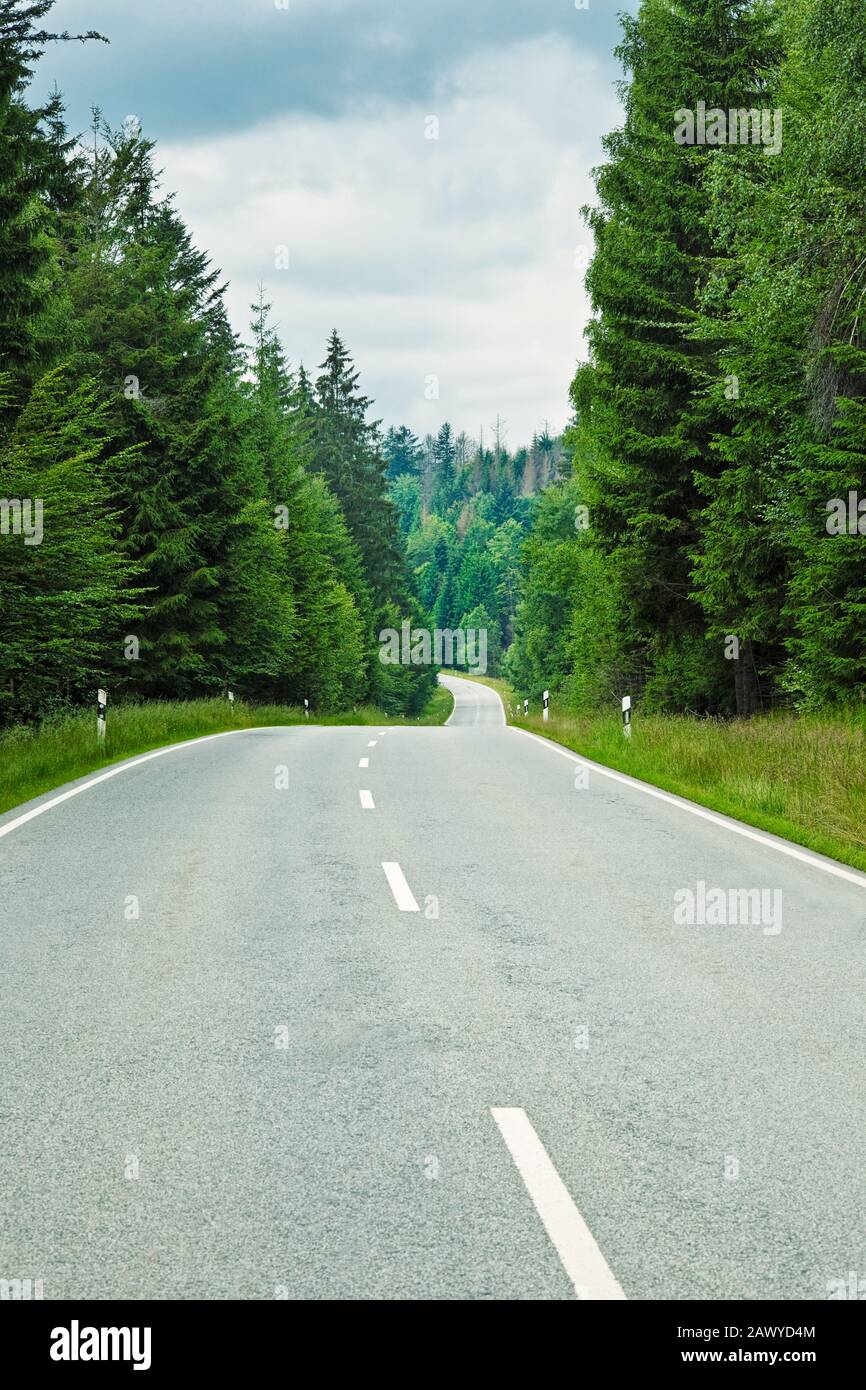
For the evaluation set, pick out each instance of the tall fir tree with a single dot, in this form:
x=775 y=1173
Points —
x=645 y=427
x=402 y=452
x=68 y=595
x=37 y=180
x=347 y=451
x=149 y=322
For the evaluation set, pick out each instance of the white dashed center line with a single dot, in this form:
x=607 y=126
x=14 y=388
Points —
x=403 y=895
x=367 y=803
x=372 y=743
x=575 y=1244
x=365 y=762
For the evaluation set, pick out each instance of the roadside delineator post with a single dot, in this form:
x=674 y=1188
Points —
x=526 y=708
x=306 y=709
x=546 y=705
x=626 y=715
x=101 y=702
x=231 y=697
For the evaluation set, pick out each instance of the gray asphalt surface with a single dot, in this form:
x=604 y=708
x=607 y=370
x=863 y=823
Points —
x=474 y=704
x=302 y=1076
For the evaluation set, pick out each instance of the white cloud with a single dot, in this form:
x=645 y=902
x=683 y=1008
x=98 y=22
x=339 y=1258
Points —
x=451 y=257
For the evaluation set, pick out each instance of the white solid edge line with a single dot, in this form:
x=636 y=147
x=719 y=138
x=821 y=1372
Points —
x=793 y=852
x=364 y=762
x=367 y=803
x=113 y=772
x=454 y=710
x=453 y=706
x=574 y=1242
x=501 y=705
x=403 y=895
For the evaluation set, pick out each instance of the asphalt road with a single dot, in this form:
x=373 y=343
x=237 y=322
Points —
x=235 y=1066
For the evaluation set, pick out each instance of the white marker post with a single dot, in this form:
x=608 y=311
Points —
x=546 y=705
x=526 y=708
x=231 y=697
x=306 y=709
x=626 y=715
x=101 y=702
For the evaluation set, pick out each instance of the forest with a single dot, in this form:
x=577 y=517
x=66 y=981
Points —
x=211 y=517
x=464 y=509
x=693 y=554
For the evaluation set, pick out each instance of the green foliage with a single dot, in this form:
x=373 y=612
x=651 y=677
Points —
x=37 y=187
x=208 y=513
x=402 y=452
x=464 y=512
x=403 y=688
x=346 y=448
x=68 y=594
x=569 y=625
x=647 y=415
x=252 y=527
x=722 y=412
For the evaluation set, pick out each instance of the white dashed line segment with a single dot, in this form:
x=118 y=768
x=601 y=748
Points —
x=575 y=1244
x=403 y=895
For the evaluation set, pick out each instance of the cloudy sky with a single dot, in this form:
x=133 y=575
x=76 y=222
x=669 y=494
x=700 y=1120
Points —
x=306 y=125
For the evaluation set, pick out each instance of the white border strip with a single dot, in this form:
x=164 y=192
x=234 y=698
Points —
x=113 y=772
x=574 y=1242
x=727 y=823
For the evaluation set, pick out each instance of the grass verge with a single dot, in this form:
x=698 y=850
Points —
x=38 y=759
x=798 y=776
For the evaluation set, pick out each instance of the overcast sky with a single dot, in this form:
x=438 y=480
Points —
x=307 y=127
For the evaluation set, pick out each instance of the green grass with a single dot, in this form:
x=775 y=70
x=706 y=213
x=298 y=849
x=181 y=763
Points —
x=34 y=760
x=438 y=709
x=798 y=776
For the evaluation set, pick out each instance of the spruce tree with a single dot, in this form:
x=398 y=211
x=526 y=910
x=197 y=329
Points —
x=68 y=595
x=36 y=181
x=443 y=457
x=823 y=473
x=402 y=452
x=149 y=321
x=347 y=452
x=645 y=430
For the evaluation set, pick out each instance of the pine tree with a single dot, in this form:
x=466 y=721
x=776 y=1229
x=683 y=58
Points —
x=346 y=447
x=68 y=595
x=446 y=611
x=822 y=492
x=786 y=304
x=443 y=457
x=402 y=452
x=36 y=179
x=645 y=431
x=333 y=628
x=150 y=323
